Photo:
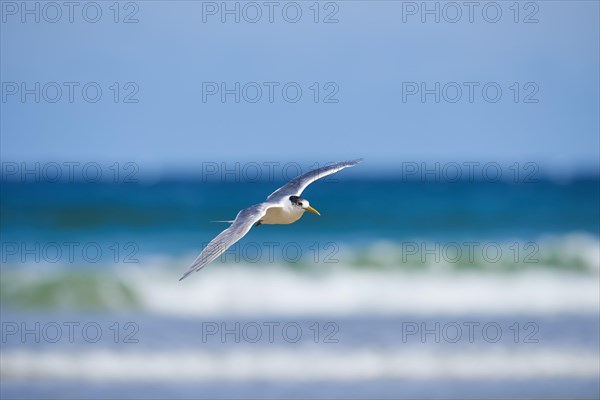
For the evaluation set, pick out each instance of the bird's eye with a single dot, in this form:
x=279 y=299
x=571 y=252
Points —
x=300 y=204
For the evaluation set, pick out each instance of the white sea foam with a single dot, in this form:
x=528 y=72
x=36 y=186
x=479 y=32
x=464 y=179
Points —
x=338 y=289
x=251 y=291
x=566 y=280
x=297 y=365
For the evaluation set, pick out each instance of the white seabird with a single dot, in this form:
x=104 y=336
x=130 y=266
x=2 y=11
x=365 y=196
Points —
x=283 y=206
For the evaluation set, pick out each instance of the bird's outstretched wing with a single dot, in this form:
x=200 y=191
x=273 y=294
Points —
x=238 y=229
x=296 y=186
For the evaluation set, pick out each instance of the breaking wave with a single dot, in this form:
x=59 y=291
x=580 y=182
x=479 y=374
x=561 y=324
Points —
x=377 y=279
x=297 y=365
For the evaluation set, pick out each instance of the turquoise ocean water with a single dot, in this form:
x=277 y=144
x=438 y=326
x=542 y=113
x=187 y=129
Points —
x=399 y=289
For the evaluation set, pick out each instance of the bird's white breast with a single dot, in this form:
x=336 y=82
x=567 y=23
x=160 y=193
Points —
x=282 y=215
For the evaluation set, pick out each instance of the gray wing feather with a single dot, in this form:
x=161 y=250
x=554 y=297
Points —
x=238 y=229
x=296 y=186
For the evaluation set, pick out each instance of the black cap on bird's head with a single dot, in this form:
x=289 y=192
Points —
x=303 y=203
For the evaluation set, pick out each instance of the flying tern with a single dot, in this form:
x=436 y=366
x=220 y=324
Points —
x=283 y=206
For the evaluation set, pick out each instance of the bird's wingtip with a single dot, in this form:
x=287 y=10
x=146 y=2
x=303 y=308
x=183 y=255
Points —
x=186 y=275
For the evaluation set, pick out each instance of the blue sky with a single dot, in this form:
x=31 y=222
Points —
x=367 y=61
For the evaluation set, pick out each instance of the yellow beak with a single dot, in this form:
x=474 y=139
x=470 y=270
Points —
x=312 y=210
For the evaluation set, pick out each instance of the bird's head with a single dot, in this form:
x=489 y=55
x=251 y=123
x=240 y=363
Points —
x=303 y=204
